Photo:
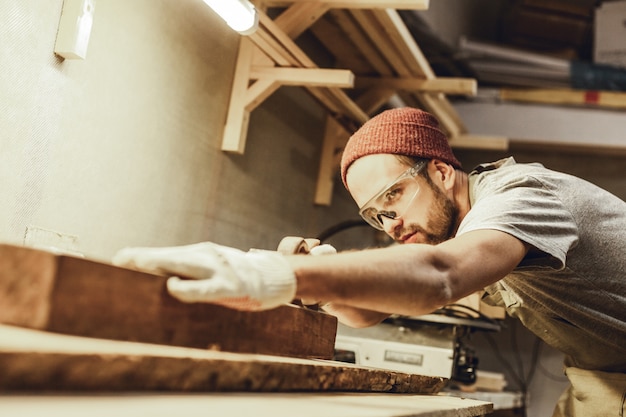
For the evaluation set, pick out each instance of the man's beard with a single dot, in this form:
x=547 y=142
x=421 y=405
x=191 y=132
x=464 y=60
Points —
x=442 y=221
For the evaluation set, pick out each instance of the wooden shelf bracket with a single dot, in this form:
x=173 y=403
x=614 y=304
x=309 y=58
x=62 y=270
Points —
x=386 y=63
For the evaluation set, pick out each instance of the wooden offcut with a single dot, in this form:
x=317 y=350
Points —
x=76 y=296
x=278 y=404
x=37 y=360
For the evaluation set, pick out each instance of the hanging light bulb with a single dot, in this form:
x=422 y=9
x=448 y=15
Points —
x=240 y=15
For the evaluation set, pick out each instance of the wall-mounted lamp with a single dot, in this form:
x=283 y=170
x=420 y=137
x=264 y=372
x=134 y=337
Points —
x=74 y=29
x=240 y=15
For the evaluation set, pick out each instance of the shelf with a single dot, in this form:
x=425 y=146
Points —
x=378 y=62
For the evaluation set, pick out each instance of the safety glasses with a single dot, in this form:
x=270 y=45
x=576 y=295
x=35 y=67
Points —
x=393 y=201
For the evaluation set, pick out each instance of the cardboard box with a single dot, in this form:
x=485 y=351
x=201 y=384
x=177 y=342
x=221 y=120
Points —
x=610 y=33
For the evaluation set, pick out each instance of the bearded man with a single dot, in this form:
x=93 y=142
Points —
x=547 y=246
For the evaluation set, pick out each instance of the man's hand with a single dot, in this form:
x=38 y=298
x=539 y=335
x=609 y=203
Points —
x=324 y=249
x=254 y=280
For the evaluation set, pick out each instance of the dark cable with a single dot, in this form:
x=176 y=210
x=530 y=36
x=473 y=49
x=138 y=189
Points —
x=346 y=224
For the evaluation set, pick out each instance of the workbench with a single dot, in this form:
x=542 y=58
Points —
x=239 y=404
x=83 y=338
x=62 y=375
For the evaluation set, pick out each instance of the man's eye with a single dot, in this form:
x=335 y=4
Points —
x=392 y=195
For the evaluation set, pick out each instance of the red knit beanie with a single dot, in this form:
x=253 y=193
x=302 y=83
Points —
x=402 y=131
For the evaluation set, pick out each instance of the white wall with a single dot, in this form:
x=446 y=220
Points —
x=123 y=148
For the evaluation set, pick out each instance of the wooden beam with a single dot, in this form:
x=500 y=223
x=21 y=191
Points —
x=284 y=42
x=335 y=138
x=377 y=38
x=77 y=296
x=608 y=99
x=437 y=104
x=409 y=60
x=299 y=17
x=305 y=76
x=333 y=133
x=360 y=39
x=334 y=38
x=407 y=48
x=567 y=147
x=285 y=49
x=376 y=33
x=237 y=118
x=357 y=4
x=259 y=91
x=498 y=143
x=447 y=85
x=273 y=49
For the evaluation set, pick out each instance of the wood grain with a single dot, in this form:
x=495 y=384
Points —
x=64 y=294
x=38 y=360
x=241 y=404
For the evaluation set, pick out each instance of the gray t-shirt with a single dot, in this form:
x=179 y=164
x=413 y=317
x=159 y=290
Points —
x=570 y=290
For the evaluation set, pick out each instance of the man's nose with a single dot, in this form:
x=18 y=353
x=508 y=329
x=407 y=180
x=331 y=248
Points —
x=391 y=225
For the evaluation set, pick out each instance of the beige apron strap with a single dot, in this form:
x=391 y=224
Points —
x=593 y=394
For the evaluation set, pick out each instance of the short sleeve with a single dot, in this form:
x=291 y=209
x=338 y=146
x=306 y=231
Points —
x=526 y=208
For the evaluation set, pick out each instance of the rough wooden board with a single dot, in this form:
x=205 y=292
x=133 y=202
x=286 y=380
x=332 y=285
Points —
x=242 y=404
x=63 y=294
x=37 y=360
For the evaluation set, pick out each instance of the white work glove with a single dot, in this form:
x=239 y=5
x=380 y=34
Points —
x=324 y=249
x=250 y=281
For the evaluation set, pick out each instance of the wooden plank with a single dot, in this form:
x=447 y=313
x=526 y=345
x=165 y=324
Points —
x=63 y=294
x=285 y=42
x=335 y=138
x=36 y=360
x=408 y=60
x=494 y=52
x=269 y=79
x=305 y=76
x=335 y=39
x=608 y=99
x=347 y=107
x=273 y=49
x=449 y=120
x=446 y=85
x=408 y=50
x=309 y=404
x=333 y=133
x=237 y=118
x=259 y=91
x=359 y=38
x=299 y=17
x=550 y=145
x=378 y=34
x=358 y=4
x=499 y=143
x=437 y=104
x=334 y=99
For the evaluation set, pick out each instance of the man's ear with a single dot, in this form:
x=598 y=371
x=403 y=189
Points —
x=443 y=172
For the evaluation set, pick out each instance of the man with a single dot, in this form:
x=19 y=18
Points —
x=549 y=247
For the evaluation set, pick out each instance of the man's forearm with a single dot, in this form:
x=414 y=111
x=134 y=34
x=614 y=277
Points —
x=389 y=280
x=354 y=317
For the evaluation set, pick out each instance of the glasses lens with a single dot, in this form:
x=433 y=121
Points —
x=370 y=215
x=391 y=203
